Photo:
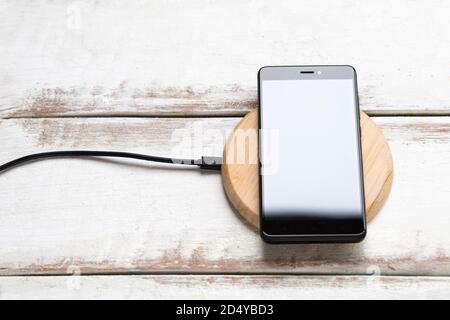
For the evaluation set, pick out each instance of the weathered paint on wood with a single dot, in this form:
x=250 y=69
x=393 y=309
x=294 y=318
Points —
x=200 y=58
x=122 y=216
x=60 y=58
x=224 y=287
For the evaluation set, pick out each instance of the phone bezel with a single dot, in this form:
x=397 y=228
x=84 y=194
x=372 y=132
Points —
x=319 y=72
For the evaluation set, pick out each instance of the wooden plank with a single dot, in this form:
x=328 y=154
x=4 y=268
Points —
x=106 y=216
x=224 y=287
x=65 y=58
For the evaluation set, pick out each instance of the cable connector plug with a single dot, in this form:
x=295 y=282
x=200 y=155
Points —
x=211 y=163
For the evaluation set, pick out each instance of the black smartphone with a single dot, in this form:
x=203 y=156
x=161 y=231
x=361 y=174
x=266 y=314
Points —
x=311 y=174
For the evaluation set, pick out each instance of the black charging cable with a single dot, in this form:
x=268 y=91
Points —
x=208 y=163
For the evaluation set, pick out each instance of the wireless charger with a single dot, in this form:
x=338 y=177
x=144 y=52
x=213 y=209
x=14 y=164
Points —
x=241 y=178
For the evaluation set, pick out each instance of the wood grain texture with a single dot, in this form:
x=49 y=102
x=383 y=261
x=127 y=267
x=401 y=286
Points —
x=224 y=287
x=106 y=216
x=66 y=58
x=199 y=58
x=241 y=177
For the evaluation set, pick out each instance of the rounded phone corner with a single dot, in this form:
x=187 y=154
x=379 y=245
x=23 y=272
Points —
x=352 y=68
x=266 y=237
x=261 y=70
x=359 y=237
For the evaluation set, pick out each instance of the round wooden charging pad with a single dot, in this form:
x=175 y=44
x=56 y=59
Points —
x=240 y=167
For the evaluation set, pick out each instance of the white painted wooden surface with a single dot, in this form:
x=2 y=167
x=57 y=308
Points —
x=104 y=216
x=180 y=57
x=224 y=287
x=66 y=67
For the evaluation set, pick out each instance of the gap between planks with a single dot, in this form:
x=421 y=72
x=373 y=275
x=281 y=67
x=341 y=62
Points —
x=399 y=113
x=214 y=273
